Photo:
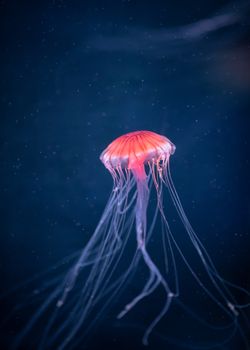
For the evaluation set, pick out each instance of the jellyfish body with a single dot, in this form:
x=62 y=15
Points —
x=138 y=162
x=132 y=152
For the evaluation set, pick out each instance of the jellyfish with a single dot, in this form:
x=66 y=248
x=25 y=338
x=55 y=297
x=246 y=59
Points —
x=139 y=163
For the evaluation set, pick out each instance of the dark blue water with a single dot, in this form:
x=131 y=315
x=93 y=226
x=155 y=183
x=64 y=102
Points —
x=76 y=75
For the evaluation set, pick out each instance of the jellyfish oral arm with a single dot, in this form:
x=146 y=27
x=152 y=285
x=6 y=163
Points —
x=155 y=276
x=141 y=212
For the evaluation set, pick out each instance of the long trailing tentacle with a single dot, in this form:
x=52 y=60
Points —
x=230 y=305
x=98 y=262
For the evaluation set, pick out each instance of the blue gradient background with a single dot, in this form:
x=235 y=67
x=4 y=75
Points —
x=77 y=74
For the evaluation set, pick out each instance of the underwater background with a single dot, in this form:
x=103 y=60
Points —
x=76 y=75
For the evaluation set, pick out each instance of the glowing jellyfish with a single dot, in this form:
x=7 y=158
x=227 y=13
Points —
x=139 y=164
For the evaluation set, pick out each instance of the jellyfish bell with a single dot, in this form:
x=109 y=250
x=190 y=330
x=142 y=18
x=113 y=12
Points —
x=139 y=163
x=131 y=151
